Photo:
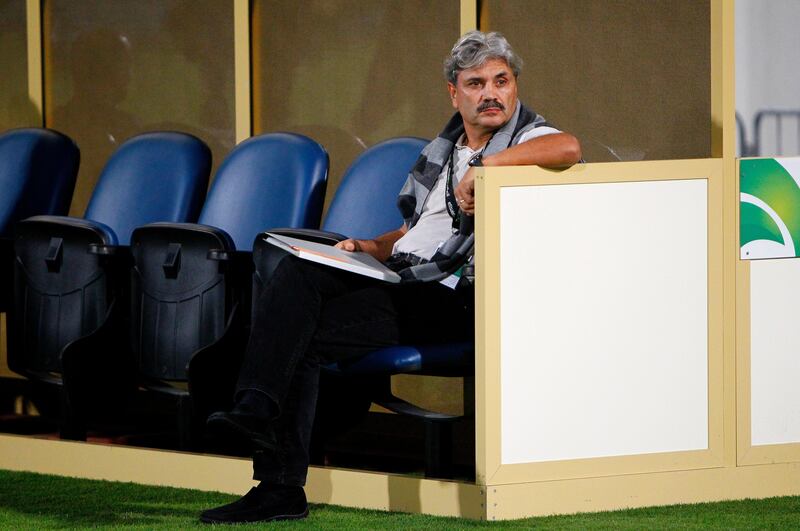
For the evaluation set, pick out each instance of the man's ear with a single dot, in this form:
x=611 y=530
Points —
x=452 y=90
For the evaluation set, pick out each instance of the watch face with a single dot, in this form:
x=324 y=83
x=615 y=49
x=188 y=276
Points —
x=476 y=160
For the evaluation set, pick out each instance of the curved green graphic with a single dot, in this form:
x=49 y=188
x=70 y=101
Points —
x=770 y=182
x=757 y=225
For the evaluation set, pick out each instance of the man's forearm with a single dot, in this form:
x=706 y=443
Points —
x=381 y=247
x=551 y=151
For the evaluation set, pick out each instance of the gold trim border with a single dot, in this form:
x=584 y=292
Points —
x=723 y=145
x=723 y=79
x=469 y=15
x=33 y=16
x=242 y=78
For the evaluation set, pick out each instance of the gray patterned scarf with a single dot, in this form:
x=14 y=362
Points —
x=460 y=246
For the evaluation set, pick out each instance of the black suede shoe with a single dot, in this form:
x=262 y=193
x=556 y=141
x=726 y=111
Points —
x=262 y=504
x=242 y=427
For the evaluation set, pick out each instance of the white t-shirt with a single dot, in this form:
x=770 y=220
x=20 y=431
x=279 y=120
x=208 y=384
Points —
x=434 y=226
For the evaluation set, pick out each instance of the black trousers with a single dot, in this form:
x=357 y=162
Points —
x=307 y=315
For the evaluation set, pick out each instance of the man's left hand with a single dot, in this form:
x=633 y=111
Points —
x=465 y=192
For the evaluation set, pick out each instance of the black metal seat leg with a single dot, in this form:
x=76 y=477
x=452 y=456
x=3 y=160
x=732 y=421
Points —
x=438 y=449
x=73 y=424
x=185 y=422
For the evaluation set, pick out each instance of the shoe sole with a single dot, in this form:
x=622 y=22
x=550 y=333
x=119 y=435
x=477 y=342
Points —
x=275 y=518
x=225 y=426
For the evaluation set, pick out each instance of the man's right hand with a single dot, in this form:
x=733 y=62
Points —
x=349 y=245
x=465 y=192
x=380 y=247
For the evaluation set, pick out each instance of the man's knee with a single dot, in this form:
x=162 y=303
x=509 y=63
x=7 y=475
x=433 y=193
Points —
x=276 y=262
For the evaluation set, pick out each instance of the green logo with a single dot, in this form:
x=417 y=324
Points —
x=769 y=209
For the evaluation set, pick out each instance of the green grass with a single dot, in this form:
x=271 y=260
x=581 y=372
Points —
x=33 y=501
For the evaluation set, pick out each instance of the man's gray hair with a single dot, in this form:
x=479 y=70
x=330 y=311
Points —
x=475 y=48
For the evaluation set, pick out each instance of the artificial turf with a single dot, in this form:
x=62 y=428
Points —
x=35 y=501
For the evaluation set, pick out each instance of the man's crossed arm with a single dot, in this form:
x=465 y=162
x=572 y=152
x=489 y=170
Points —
x=550 y=151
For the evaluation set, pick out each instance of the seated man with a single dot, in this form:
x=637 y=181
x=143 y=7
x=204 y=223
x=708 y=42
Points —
x=309 y=314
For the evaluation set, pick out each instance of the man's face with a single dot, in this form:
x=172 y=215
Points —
x=486 y=95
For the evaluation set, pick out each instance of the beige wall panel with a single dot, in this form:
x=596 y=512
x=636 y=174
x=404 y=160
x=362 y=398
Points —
x=630 y=78
x=641 y=490
x=396 y=493
x=225 y=474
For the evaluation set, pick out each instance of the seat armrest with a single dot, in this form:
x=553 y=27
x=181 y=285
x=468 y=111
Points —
x=313 y=235
x=106 y=235
x=219 y=243
x=225 y=242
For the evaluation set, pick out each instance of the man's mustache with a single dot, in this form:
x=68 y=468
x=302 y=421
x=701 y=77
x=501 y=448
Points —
x=491 y=104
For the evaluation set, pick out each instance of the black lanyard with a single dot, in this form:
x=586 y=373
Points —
x=449 y=192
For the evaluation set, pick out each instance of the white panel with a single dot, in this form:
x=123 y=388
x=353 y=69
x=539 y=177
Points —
x=775 y=351
x=603 y=320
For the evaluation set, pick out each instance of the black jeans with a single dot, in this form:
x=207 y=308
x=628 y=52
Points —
x=308 y=314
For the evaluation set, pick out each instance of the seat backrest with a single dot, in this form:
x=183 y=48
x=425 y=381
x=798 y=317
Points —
x=271 y=180
x=38 y=168
x=365 y=204
x=159 y=176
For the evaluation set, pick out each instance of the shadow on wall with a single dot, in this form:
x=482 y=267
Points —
x=596 y=151
x=214 y=91
x=116 y=71
x=351 y=74
x=93 y=115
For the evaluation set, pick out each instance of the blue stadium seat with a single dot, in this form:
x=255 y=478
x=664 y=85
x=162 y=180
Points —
x=191 y=281
x=364 y=207
x=72 y=273
x=38 y=168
